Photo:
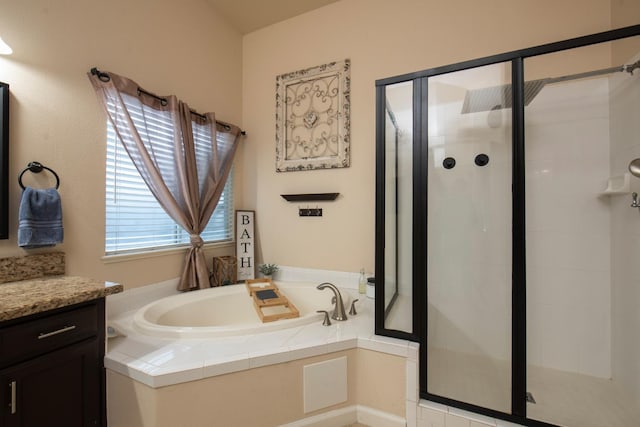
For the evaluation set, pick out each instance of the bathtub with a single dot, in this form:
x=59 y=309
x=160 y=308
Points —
x=227 y=311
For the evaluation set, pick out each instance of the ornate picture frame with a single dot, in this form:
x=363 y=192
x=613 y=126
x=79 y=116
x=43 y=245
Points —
x=313 y=118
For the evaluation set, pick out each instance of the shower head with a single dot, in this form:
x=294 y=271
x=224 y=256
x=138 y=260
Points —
x=498 y=97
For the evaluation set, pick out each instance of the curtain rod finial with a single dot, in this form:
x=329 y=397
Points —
x=101 y=75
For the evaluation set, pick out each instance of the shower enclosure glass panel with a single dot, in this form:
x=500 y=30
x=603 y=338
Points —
x=398 y=279
x=581 y=132
x=469 y=236
x=519 y=228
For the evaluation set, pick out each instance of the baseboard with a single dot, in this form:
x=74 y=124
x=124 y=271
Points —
x=349 y=415
x=376 y=418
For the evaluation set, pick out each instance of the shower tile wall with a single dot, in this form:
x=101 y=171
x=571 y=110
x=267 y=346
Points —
x=568 y=239
x=625 y=232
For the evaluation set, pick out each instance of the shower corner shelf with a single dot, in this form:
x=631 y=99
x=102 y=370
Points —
x=618 y=185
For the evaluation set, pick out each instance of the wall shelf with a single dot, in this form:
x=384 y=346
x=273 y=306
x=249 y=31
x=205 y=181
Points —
x=618 y=185
x=311 y=197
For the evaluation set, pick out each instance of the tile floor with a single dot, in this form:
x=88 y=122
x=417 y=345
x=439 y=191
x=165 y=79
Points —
x=473 y=379
x=563 y=398
x=575 y=400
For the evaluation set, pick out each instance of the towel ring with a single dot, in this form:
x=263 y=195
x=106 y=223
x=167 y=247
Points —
x=36 y=167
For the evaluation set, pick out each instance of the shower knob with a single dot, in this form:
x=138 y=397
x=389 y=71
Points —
x=482 y=159
x=449 y=163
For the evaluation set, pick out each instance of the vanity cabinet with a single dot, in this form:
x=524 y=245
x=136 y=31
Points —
x=52 y=368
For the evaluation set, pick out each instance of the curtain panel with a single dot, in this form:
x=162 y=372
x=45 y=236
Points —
x=188 y=180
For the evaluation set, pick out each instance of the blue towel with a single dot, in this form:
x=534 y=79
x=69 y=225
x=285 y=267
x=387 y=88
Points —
x=40 y=218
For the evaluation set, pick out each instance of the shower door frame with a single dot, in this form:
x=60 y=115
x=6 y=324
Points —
x=419 y=266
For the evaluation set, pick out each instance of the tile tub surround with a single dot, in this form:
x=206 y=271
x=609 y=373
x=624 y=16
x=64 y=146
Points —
x=27 y=297
x=158 y=363
x=266 y=396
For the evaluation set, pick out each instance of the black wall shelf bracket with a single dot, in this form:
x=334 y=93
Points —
x=313 y=197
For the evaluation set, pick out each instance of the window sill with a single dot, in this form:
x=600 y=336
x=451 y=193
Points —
x=131 y=256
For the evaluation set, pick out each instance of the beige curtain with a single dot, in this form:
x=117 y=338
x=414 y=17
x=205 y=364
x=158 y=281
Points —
x=189 y=185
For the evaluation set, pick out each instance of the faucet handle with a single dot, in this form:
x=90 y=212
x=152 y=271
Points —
x=326 y=321
x=352 y=310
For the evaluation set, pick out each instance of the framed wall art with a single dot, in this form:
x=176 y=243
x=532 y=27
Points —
x=245 y=250
x=313 y=118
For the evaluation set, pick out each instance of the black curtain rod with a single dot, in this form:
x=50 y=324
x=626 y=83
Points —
x=105 y=78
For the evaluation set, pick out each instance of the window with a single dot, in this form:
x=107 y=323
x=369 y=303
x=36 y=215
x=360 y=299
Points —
x=135 y=221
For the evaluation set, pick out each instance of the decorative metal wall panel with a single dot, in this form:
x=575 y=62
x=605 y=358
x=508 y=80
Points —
x=312 y=118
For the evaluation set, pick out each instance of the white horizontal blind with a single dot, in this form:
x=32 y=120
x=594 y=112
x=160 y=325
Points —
x=135 y=221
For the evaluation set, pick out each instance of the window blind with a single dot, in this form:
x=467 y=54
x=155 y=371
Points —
x=135 y=221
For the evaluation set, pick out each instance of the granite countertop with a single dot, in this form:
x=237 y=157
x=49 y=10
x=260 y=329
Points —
x=27 y=297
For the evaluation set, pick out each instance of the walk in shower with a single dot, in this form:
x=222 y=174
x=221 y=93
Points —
x=506 y=234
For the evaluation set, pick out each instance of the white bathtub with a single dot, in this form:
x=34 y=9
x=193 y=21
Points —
x=227 y=311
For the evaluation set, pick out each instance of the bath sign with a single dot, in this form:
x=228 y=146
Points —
x=244 y=244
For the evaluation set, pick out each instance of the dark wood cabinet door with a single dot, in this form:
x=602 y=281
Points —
x=58 y=389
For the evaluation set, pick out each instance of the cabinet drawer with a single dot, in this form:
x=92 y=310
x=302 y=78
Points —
x=35 y=337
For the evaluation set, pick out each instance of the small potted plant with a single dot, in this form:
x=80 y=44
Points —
x=268 y=270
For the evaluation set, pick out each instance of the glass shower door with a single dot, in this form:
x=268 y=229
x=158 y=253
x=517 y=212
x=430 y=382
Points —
x=511 y=208
x=469 y=236
x=398 y=280
x=582 y=255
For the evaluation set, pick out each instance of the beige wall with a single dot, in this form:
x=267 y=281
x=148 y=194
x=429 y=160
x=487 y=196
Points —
x=168 y=47
x=625 y=13
x=57 y=121
x=266 y=396
x=382 y=39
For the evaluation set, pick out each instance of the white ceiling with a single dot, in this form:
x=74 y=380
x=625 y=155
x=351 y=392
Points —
x=251 y=15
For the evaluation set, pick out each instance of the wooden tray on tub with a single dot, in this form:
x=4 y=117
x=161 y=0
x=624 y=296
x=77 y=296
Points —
x=269 y=303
